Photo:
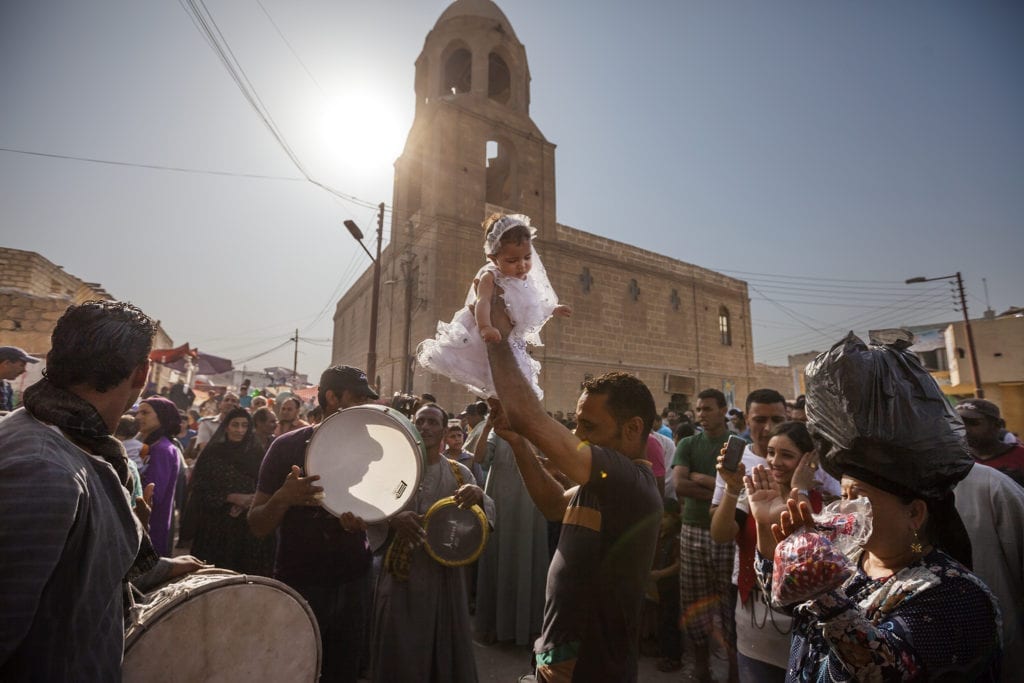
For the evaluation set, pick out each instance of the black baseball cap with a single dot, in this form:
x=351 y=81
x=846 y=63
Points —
x=341 y=377
x=16 y=353
x=978 y=407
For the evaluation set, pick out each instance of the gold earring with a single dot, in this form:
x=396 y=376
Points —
x=915 y=547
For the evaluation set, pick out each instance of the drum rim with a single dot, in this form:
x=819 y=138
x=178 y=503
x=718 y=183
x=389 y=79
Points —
x=414 y=438
x=476 y=510
x=135 y=630
x=219 y=578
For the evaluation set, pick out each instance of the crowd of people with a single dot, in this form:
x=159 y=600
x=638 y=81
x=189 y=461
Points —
x=615 y=532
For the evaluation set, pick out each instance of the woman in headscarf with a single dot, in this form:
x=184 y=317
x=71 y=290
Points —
x=158 y=422
x=223 y=483
x=911 y=610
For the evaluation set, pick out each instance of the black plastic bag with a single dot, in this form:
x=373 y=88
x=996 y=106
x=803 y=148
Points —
x=882 y=413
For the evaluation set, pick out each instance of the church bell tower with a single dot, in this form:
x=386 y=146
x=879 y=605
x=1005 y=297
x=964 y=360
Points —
x=472 y=150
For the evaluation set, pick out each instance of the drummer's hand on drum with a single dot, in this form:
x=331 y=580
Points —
x=468 y=495
x=409 y=527
x=183 y=564
x=351 y=523
x=299 y=490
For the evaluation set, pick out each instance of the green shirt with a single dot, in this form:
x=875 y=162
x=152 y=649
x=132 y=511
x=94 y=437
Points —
x=699 y=453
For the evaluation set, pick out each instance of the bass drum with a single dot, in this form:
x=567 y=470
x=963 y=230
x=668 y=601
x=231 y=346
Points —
x=370 y=459
x=216 y=625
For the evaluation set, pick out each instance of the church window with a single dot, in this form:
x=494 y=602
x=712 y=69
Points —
x=500 y=166
x=634 y=289
x=499 y=80
x=724 y=326
x=458 y=72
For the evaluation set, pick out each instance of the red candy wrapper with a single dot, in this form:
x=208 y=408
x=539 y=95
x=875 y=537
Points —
x=846 y=523
x=807 y=565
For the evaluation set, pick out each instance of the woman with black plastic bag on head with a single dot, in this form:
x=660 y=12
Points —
x=910 y=609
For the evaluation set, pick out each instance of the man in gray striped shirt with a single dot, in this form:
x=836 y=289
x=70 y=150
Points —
x=69 y=538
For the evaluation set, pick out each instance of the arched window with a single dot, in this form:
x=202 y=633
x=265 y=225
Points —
x=458 y=72
x=500 y=161
x=724 y=327
x=499 y=80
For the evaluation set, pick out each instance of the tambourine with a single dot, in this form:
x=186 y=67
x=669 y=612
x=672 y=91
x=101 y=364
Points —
x=455 y=536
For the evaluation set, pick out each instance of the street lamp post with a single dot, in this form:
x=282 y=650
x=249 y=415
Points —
x=371 y=354
x=979 y=392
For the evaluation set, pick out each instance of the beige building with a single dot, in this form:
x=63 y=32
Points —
x=999 y=341
x=34 y=293
x=473 y=149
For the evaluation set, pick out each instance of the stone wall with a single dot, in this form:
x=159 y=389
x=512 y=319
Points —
x=34 y=293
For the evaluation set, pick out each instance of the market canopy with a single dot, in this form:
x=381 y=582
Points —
x=203 y=363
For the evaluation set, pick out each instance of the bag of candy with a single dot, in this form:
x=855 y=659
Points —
x=814 y=561
x=846 y=523
x=806 y=565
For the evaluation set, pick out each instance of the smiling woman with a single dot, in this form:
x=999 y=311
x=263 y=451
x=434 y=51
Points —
x=361 y=129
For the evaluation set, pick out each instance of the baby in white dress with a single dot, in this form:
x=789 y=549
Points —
x=459 y=349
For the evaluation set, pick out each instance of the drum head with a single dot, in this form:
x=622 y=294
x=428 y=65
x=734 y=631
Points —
x=369 y=458
x=221 y=626
x=455 y=536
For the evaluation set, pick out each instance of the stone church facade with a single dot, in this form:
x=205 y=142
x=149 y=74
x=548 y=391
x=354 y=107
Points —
x=473 y=149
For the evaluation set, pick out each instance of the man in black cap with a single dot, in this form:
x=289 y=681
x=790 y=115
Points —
x=984 y=426
x=324 y=558
x=12 y=365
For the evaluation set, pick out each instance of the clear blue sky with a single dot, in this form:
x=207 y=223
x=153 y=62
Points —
x=812 y=141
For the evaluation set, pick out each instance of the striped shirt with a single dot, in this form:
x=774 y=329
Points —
x=67 y=538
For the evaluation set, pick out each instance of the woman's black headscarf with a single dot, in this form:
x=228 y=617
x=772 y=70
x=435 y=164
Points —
x=168 y=415
x=245 y=455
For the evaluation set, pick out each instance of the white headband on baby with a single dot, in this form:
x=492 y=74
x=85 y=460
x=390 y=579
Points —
x=492 y=243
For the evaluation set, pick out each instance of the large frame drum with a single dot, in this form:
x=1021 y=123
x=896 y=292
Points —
x=370 y=459
x=216 y=625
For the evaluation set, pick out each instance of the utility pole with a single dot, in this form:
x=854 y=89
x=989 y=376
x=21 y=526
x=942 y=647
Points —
x=407 y=366
x=371 y=356
x=295 y=361
x=979 y=392
x=357 y=234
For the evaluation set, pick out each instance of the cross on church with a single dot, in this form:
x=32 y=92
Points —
x=634 y=289
x=586 y=280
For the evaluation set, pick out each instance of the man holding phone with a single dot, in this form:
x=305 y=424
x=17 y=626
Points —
x=762 y=643
x=705 y=567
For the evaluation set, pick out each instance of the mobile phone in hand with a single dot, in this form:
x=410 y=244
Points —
x=733 y=452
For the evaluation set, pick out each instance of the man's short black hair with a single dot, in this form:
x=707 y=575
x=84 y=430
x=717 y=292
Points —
x=98 y=344
x=628 y=397
x=715 y=394
x=764 y=396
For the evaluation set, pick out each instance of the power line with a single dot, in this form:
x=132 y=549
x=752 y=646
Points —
x=157 y=167
x=207 y=25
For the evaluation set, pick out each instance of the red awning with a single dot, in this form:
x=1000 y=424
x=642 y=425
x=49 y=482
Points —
x=165 y=356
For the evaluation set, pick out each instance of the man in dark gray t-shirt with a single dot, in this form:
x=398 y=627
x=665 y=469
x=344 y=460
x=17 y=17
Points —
x=609 y=523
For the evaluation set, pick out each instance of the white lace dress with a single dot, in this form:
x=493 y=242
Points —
x=458 y=352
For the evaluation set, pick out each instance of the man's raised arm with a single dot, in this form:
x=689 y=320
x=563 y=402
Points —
x=523 y=410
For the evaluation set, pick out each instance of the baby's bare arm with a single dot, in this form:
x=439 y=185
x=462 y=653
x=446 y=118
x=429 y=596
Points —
x=482 y=309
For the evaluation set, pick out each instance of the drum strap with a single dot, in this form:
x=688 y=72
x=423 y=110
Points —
x=398 y=558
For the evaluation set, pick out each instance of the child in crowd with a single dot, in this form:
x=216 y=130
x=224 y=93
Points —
x=459 y=350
